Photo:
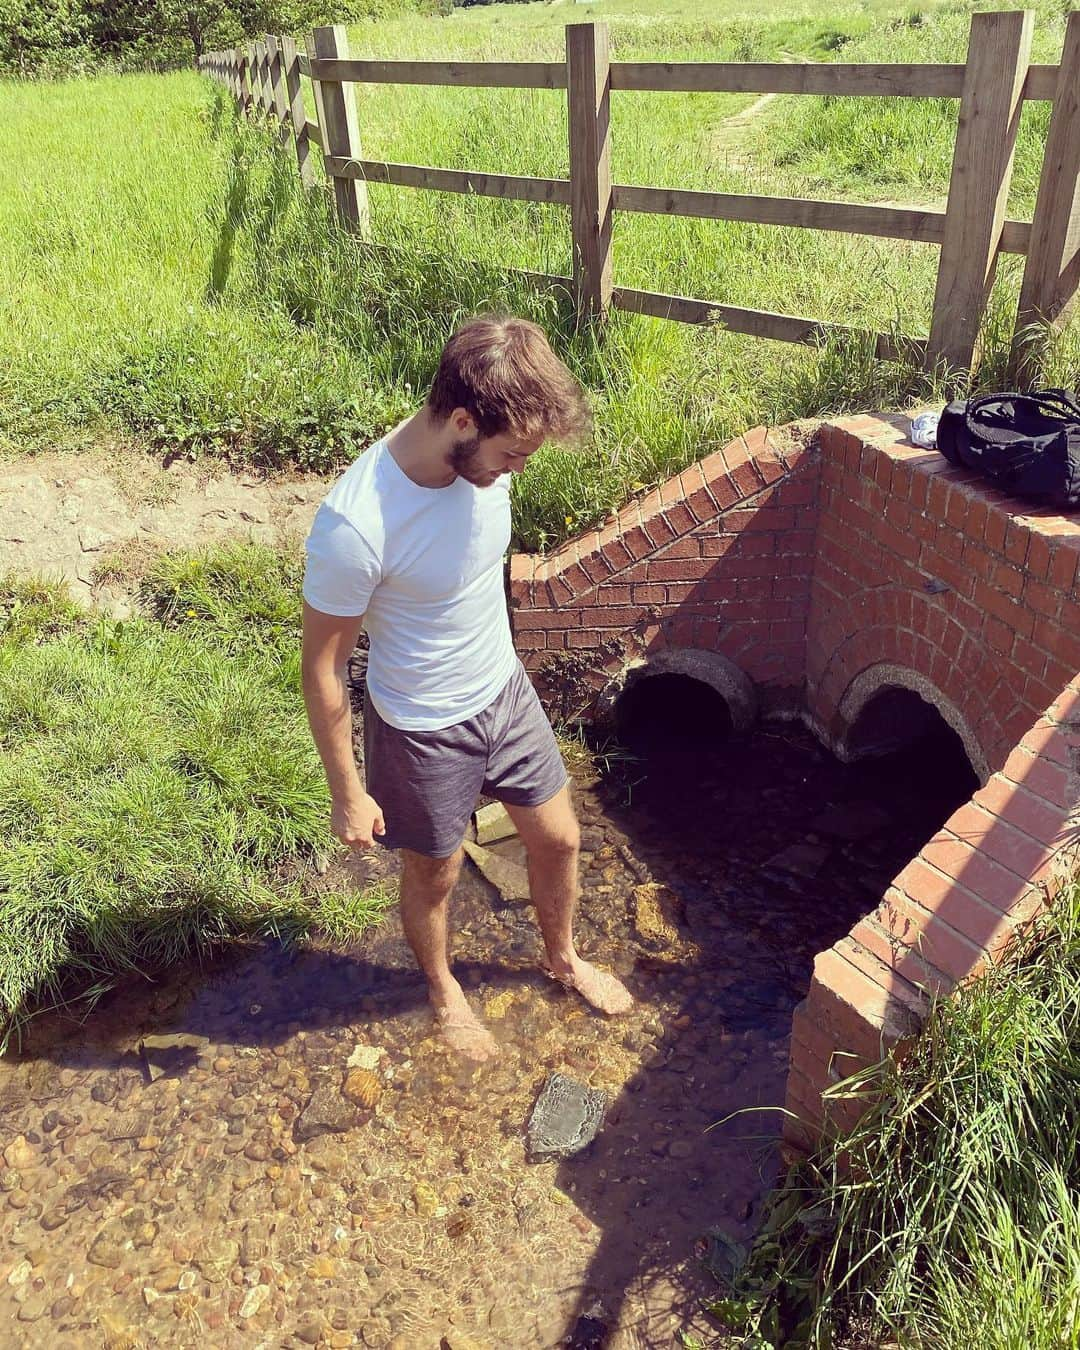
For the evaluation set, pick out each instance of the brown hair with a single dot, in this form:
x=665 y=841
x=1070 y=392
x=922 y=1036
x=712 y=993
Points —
x=502 y=371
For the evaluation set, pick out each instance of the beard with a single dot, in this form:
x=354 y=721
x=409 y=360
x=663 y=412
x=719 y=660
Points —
x=462 y=459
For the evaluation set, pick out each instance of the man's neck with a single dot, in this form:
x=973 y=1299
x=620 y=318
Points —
x=417 y=447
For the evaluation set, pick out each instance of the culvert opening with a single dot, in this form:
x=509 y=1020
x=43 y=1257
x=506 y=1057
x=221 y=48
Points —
x=773 y=846
x=901 y=742
x=670 y=713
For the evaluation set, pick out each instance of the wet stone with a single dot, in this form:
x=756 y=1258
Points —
x=805 y=860
x=327 y=1112
x=34 y=1307
x=592 y=838
x=566 y=1118
x=107 y=1249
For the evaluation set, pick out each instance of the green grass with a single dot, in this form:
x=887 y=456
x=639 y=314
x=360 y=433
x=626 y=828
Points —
x=950 y=1218
x=160 y=269
x=156 y=778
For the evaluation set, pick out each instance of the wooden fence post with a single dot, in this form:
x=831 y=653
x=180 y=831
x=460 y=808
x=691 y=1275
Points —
x=253 y=77
x=990 y=105
x=259 y=83
x=1052 y=270
x=263 y=57
x=588 y=87
x=340 y=130
x=243 y=80
x=290 y=60
x=277 y=86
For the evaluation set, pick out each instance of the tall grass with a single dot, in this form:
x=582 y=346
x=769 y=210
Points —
x=950 y=1218
x=160 y=268
x=155 y=777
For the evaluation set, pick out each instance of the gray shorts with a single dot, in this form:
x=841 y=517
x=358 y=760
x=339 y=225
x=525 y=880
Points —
x=428 y=782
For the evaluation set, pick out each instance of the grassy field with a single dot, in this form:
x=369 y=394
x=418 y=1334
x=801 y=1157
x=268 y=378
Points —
x=159 y=790
x=160 y=270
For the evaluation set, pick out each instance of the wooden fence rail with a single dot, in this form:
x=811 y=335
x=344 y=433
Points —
x=972 y=230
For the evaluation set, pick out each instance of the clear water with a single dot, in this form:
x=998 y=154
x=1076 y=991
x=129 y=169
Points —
x=188 y=1208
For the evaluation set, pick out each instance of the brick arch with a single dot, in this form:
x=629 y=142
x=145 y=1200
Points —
x=884 y=675
x=712 y=669
x=911 y=631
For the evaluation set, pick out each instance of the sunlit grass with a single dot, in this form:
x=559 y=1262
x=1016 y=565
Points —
x=155 y=777
x=160 y=268
x=950 y=1217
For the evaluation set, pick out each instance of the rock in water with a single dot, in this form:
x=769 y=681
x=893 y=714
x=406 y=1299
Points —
x=363 y=1087
x=172 y=1053
x=493 y=824
x=588 y=1332
x=567 y=1117
x=805 y=860
x=327 y=1112
x=510 y=879
x=657 y=911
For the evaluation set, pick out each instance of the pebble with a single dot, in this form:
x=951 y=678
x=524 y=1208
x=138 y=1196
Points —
x=33 y=1308
x=19 y=1153
x=20 y=1272
x=254 y=1299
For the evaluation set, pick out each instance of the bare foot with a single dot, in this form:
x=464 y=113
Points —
x=599 y=988
x=464 y=1032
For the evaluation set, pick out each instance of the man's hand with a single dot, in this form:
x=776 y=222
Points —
x=357 y=820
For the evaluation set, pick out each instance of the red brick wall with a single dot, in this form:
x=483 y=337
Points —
x=987 y=871
x=999 y=642
x=719 y=558
x=815 y=567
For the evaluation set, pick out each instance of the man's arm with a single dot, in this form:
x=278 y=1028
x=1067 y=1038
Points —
x=328 y=643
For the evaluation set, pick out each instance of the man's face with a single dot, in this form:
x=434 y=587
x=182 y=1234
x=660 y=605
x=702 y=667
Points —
x=480 y=460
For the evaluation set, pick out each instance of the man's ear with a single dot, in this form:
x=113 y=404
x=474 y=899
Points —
x=462 y=422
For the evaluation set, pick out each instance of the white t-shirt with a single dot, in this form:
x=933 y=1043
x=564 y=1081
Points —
x=425 y=565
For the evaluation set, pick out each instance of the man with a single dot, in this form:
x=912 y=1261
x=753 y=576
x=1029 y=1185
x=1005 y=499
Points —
x=410 y=543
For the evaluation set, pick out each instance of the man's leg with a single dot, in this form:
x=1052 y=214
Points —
x=426 y=884
x=552 y=839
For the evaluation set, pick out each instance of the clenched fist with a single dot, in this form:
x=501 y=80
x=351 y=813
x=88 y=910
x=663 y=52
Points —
x=356 y=821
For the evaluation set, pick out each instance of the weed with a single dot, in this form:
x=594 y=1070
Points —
x=155 y=780
x=950 y=1216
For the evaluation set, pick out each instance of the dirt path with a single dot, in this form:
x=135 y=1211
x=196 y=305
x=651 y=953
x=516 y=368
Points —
x=62 y=516
x=728 y=142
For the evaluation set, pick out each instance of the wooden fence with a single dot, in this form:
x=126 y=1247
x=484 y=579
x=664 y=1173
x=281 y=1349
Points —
x=972 y=230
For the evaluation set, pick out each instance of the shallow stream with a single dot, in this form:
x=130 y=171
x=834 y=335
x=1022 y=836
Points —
x=186 y=1198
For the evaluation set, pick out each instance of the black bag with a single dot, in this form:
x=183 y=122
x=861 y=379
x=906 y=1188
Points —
x=1027 y=444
